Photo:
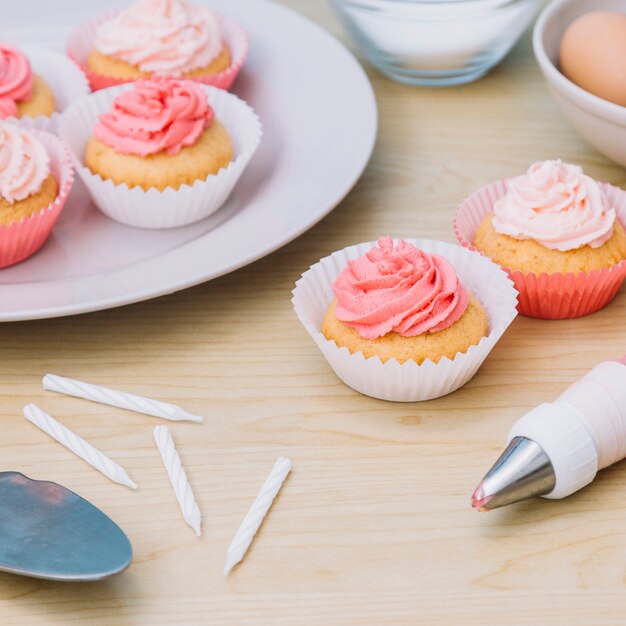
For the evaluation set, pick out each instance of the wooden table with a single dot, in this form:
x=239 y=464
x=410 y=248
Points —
x=374 y=525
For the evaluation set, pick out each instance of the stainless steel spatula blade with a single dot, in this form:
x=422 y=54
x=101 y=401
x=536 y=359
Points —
x=47 y=531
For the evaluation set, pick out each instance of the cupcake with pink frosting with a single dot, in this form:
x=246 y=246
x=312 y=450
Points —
x=160 y=153
x=163 y=133
x=405 y=320
x=399 y=302
x=35 y=178
x=35 y=85
x=21 y=91
x=558 y=232
x=150 y=38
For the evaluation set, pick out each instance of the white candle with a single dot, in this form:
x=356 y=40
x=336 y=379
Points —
x=120 y=399
x=178 y=477
x=78 y=446
x=243 y=538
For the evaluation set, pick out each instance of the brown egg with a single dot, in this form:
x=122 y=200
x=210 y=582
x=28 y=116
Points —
x=593 y=54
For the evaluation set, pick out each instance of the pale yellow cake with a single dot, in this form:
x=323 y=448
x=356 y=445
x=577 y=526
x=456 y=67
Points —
x=10 y=213
x=41 y=100
x=212 y=151
x=115 y=68
x=528 y=256
x=467 y=331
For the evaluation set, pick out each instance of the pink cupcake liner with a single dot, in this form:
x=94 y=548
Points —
x=80 y=44
x=548 y=296
x=22 y=239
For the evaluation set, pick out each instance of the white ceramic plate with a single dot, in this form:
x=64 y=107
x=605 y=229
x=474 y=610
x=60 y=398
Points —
x=319 y=120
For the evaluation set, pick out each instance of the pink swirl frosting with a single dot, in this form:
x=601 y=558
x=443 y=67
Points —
x=400 y=289
x=16 y=80
x=8 y=108
x=556 y=205
x=24 y=163
x=159 y=115
x=168 y=37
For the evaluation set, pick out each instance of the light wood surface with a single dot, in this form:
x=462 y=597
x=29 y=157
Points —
x=374 y=525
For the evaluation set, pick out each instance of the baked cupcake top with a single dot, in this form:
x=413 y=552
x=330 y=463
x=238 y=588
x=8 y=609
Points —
x=16 y=80
x=24 y=163
x=168 y=37
x=556 y=205
x=161 y=115
x=398 y=288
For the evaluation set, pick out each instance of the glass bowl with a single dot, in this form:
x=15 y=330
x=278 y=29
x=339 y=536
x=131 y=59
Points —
x=435 y=42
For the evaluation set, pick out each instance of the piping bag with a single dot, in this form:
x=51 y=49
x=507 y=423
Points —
x=558 y=448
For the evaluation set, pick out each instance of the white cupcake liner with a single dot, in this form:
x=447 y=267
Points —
x=407 y=382
x=80 y=44
x=171 y=207
x=67 y=82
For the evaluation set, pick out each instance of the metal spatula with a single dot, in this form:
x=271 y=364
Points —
x=47 y=531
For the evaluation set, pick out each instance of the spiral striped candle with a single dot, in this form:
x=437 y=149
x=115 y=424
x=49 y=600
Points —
x=121 y=399
x=78 y=446
x=178 y=477
x=243 y=538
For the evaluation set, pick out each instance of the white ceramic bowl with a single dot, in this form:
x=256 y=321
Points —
x=600 y=122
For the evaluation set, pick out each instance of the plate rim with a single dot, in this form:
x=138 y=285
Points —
x=194 y=278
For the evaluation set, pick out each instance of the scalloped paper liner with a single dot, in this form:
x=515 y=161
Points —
x=67 y=82
x=171 y=207
x=22 y=239
x=407 y=382
x=80 y=44
x=547 y=296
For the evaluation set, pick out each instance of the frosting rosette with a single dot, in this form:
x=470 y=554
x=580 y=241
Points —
x=24 y=163
x=8 y=108
x=167 y=37
x=556 y=205
x=401 y=289
x=16 y=80
x=159 y=115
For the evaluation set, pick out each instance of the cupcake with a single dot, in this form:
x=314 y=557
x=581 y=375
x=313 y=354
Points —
x=35 y=178
x=400 y=302
x=37 y=85
x=159 y=37
x=161 y=134
x=22 y=92
x=160 y=153
x=407 y=320
x=558 y=232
